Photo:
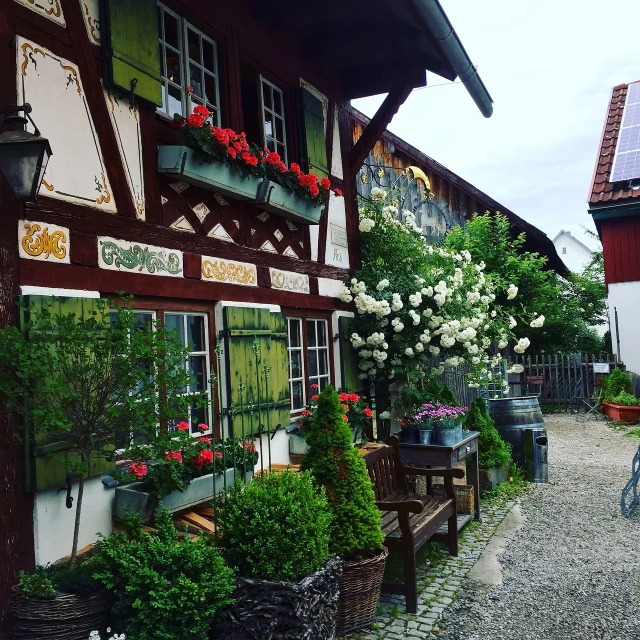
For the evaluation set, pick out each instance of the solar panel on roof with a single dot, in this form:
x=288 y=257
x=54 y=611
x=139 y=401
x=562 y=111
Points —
x=627 y=159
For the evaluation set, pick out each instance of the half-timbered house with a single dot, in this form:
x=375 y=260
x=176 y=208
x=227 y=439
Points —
x=104 y=79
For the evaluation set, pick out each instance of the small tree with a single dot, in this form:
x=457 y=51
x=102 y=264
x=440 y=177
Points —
x=493 y=451
x=92 y=381
x=342 y=471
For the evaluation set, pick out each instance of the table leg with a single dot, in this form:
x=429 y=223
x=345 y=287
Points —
x=475 y=481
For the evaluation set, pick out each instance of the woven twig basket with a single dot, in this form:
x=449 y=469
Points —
x=465 y=501
x=360 y=592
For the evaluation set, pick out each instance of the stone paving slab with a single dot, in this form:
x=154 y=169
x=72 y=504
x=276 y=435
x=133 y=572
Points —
x=438 y=584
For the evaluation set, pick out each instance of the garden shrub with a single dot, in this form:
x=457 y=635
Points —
x=493 y=451
x=167 y=587
x=412 y=397
x=341 y=470
x=615 y=383
x=46 y=581
x=625 y=399
x=276 y=527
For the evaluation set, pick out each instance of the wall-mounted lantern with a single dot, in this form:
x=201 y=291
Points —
x=23 y=155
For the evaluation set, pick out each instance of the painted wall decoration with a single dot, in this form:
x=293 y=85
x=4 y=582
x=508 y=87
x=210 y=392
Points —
x=43 y=241
x=230 y=272
x=122 y=255
x=50 y=9
x=126 y=125
x=91 y=14
x=76 y=172
x=289 y=281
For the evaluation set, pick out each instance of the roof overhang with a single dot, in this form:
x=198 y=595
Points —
x=377 y=46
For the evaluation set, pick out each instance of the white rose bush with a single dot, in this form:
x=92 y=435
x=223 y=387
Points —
x=421 y=309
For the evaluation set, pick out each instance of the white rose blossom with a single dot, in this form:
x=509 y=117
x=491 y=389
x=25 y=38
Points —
x=522 y=345
x=366 y=224
x=537 y=322
x=512 y=292
x=385 y=415
x=383 y=284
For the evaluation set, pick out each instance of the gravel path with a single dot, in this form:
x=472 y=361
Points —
x=573 y=570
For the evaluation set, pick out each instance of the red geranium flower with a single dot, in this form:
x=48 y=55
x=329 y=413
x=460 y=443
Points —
x=206 y=439
x=338 y=193
x=182 y=426
x=194 y=121
x=281 y=167
x=272 y=158
x=203 y=427
x=249 y=446
x=315 y=386
x=217 y=454
x=313 y=190
x=295 y=168
x=324 y=183
x=201 y=110
x=314 y=397
x=174 y=455
x=343 y=397
x=139 y=470
x=345 y=418
x=221 y=136
x=305 y=413
x=250 y=159
x=354 y=397
x=367 y=412
x=232 y=152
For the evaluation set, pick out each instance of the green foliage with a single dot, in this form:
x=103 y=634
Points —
x=276 y=527
x=514 y=487
x=46 y=581
x=492 y=450
x=614 y=384
x=423 y=390
x=341 y=470
x=167 y=587
x=37 y=583
x=625 y=399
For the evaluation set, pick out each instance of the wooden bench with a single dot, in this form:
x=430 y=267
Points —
x=410 y=520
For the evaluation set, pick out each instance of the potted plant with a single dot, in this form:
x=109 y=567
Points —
x=446 y=420
x=425 y=428
x=618 y=403
x=355 y=532
x=275 y=532
x=166 y=586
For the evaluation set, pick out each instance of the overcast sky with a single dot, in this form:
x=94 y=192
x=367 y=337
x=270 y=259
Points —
x=549 y=66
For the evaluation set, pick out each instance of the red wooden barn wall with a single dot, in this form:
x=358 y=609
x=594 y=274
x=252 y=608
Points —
x=621 y=249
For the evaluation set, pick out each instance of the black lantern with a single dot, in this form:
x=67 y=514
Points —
x=23 y=155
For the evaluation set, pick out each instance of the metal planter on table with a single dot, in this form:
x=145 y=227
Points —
x=277 y=199
x=183 y=163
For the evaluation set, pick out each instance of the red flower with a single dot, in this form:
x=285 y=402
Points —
x=204 y=458
x=232 y=152
x=206 y=439
x=299 y=425
x=201 y=110
x=338 y=193
x=238 y=146
x=314 y=397
x=281 y=167
x=315 y=386
x=217 y=454
x=250 y=159
x=367 y=412
x=174 y=455
x=177 y=122
x=221 y=136
x=354 y=397
x=346 y=408
x=182 y=426
x=189 y=89
x=343 y=397
x=345 y=418
x=295 y=168
x=324 y=183
x=139 y=470
x=313 y=190
x=194 y=121
x=272 y=158
x=249 y=446
x=305 y=413
x=203 y=427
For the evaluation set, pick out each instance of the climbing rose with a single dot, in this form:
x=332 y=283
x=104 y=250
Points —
x=182 y=426
x=139 y=470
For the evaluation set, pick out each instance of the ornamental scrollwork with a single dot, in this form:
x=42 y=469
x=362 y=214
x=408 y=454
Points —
x=229 y=272
x=140 y=258
x=39 y=242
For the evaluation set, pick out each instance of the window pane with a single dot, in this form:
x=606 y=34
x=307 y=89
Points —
x=313 y=363
x=197 y=372
x=268 y=124
x=322 y=333
x=208 y=55
x=198 y=415
x=175 y=100
x=279 y=129
x=193 y=45
x=267 y=101
x=174 y=322
x=297 y=397
x=294 y=333
x=296 y=364
x=210 y=89
x=195 y=332
x=172 y=63
x=323 y=383
x=324 y=366
x=195 y=79
x=277 y=102
x=271 y=145
x=311 y=333
x=171 y=32
x=163 y=66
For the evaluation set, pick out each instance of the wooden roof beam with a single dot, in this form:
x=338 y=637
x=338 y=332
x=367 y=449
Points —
x=380 y=121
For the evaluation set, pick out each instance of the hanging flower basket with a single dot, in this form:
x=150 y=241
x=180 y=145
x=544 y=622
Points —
x=131 y=498
x=275 y=198
x=182 y=163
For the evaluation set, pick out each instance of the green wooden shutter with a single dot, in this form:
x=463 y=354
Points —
x=349 y=358
x=46 y=464
x=131 y=49
x=270 y=397
x=314 y=138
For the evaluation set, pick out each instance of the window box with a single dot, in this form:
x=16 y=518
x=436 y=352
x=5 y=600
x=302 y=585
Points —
x=620 y=412
x=275 y=198
x=180 y=162
x=130 y=497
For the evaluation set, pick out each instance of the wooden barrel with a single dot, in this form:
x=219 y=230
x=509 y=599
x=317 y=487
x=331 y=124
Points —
x=511 y=416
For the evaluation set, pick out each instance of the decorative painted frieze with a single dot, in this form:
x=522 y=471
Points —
x=42 y=241
x=52 y=85
x=126 y=126
x=50 y=9
x=122 y=255
x=91 y=14
x=289 y=281
x=229 y=272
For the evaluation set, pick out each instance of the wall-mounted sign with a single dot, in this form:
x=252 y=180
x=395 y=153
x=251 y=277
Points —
x=601 y=367
x=339 y=236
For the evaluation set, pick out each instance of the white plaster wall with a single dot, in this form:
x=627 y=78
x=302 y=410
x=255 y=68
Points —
x=279 y=449
x=577 y=257
x=53 y=523
x=625 y=297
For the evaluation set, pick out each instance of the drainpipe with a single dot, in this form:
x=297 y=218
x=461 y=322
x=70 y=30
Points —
x=437 y=23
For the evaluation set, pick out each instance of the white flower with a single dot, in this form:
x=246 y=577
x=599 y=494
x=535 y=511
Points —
x=512 y=292
x=385 y=415
x=434 y=350
x=376 y=338
x=366 y=224
x=502 y=344
x=357 y=341
x=378 y=194
x=516 y=368
x=419 y=347
x=409 y=352
x=397 y=325
x=473 y=385
x=440 y=299
x=522 y=345
x=537 y=323
x=365 y=353
x=382 y=284
x=345 y=295
x=415 y=299
x=512 y=322
x=396 y=302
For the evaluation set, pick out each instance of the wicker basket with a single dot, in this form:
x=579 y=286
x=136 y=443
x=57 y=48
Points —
x=359 y=593
x=66 y=616
x=465 y=500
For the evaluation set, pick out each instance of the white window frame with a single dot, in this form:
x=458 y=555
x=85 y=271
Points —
x=280 y=146
x=317 y=349
x=189 y=101
x=302 y=378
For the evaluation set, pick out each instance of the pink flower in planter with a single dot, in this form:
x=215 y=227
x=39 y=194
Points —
x=139 y=470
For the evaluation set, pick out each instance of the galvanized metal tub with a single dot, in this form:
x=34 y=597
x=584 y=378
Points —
x=511 y=416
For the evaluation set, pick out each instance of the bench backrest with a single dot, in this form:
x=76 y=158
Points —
x=383 y=465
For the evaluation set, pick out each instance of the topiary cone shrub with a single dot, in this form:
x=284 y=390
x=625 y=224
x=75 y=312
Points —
x=493 y=451
x=355 y=532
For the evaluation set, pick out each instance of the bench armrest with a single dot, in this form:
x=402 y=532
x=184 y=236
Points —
x=438 y=473
x=406 y=506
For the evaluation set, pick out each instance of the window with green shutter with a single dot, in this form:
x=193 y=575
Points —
x=131 y=51
x=349 y=358
x=314 y=138
x=257 y=370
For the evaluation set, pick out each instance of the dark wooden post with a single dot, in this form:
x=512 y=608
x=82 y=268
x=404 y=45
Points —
x=16 y=507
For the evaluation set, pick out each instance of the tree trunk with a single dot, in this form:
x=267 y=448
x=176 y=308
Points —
x=76 y=528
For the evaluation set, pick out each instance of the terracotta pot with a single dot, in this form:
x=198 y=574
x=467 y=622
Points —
x=620 y=412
